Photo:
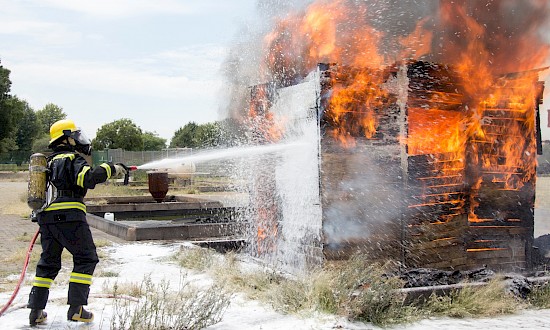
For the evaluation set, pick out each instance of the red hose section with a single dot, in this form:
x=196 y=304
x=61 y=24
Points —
x=22 y=277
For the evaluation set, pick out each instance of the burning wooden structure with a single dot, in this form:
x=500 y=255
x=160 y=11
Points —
x=415 y=164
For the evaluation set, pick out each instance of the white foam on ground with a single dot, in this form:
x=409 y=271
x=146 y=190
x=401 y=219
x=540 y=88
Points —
x=136 y=260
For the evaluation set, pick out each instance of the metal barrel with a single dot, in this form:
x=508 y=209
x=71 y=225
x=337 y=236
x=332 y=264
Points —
x=158 y=185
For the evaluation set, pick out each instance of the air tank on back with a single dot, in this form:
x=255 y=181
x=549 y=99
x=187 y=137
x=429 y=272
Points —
x=36 y=197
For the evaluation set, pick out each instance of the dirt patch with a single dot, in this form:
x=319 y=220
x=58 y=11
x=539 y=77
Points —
x=15 y=236
x=21 y=176
x=13 y=198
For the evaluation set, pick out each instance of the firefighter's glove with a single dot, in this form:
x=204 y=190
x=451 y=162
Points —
x=121 y=169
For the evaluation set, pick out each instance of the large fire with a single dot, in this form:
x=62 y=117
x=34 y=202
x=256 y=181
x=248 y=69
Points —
x=481 y=40
x=479 y=129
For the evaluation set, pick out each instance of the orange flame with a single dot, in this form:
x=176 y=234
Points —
x=479 y=40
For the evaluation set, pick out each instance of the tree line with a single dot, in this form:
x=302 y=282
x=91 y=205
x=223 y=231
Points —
x=24 y=129
x=125 y=134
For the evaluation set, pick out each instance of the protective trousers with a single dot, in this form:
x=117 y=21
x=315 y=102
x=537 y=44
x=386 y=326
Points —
x=76 y=237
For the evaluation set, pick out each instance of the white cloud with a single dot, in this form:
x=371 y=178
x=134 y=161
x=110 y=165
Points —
x=40 y=31
x=120 y=8
x=8 y=26
x=105 y=77
x=195 y=62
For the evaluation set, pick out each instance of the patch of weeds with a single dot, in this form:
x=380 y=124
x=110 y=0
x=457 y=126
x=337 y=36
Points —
x=102 y=243
x=291 y=296
x=160 y=307
x=540 y=296
x=361 y=291
x=323 y=292
x=106 y=273
x=255 y=284
x=128 y=289
x=195 y=258
x=259 y=284
x=102 y=254
x=25 y=237
x=356 y=289
x=474 y=301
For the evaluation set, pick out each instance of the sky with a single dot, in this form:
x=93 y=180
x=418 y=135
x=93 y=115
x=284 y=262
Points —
x=155 y=62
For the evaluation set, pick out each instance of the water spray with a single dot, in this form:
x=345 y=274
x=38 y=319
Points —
x=229 y=153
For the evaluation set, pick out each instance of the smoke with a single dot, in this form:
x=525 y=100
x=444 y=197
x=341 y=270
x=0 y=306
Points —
x=243 y=65
x=370 y=200
x=507 y=35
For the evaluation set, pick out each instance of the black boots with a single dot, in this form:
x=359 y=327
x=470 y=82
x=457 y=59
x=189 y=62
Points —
x=75 y=313
x=79 y=314
x=37 y=316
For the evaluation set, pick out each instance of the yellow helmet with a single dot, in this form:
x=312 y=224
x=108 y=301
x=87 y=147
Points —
x=67 y=128
x=61 y=128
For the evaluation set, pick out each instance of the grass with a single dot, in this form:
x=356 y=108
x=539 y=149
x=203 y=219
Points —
x=187 y=191
x=131 y=289
x=99 y=243
x=354 y=289
x=106 y=273
x=25 y=237
x=482 y=301
x=17 y=259
x=17 y=206
x=361 y=291
x=161 y=307
x=194 y=258
x=19 y=256
x=540 y=296
x=107 y=189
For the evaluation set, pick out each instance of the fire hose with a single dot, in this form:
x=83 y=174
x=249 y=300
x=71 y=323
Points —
x=22 y=277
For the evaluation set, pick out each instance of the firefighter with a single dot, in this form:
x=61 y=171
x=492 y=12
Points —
x=63 y=223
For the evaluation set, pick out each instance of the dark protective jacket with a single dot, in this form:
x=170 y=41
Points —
x=71 y=176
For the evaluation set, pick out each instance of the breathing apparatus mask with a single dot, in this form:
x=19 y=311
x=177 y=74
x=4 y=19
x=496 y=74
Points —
x=82 y=143
x=62 y=130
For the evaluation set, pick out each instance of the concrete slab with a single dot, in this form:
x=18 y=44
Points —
x=163 y=230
